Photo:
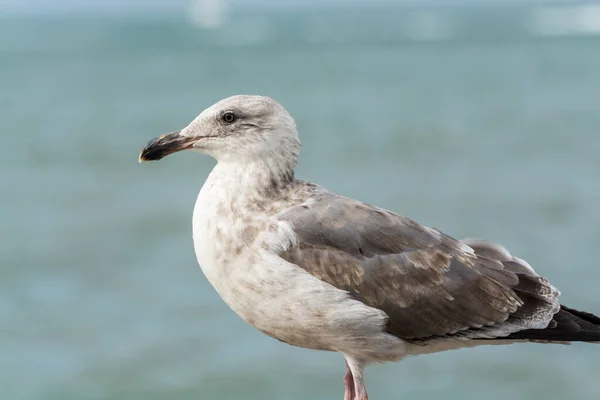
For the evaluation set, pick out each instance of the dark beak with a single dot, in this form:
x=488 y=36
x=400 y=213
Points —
x=164 y=145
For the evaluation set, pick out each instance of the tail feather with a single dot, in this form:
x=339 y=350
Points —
x=568 y=325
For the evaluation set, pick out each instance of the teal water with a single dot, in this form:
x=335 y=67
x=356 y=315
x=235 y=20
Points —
x=491 y=132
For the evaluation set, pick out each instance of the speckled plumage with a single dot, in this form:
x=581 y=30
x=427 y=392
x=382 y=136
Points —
x=318 y=270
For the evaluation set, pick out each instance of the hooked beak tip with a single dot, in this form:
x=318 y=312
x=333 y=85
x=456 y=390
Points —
x=164 y=145
x=141 y=158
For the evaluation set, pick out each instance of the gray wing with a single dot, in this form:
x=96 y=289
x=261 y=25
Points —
x=430 y=285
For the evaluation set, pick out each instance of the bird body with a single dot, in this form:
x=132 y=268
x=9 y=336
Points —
x=241 y=262
x=318 y=270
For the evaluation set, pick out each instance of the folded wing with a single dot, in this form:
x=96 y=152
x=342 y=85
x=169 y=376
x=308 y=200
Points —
x=430 y=285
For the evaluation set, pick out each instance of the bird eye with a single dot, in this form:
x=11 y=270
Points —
x=229 y=117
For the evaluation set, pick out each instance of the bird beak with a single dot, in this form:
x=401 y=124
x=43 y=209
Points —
x=164 y=145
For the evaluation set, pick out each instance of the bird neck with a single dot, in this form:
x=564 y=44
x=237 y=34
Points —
x=250 y=180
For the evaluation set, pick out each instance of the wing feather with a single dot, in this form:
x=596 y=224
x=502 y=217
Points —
x=429 y=284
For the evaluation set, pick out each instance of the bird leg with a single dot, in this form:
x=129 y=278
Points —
x=349 y=383
x=360 y=390
x=354 y=381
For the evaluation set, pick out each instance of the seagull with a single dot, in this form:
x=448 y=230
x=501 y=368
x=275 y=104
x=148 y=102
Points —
x=317 y=270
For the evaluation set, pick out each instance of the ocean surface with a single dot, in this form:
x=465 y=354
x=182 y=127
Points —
x=480 y=122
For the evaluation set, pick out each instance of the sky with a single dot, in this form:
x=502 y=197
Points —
x=61 y=6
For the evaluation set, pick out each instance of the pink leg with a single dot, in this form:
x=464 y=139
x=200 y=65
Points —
x=354 y=371
x=349 y=383
x=361 y=391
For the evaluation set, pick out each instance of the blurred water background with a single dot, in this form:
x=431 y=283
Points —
x=479 y=120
